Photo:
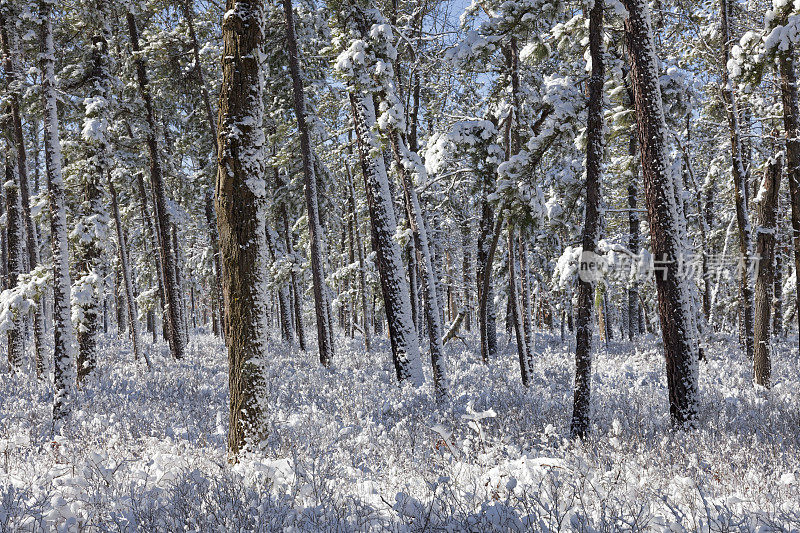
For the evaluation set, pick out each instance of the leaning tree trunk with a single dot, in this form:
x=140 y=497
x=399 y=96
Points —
x=791 y=125
x=741 y=177
x=177 y=337
x=581 y=407
x=63 y=363
x=14 y=241
x=324 y=335
x=396 y=297
x=240 y=205
x=421 y=244
x=765 y=251
x=667 y=243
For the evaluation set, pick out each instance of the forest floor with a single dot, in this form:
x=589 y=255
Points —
x=347 y=449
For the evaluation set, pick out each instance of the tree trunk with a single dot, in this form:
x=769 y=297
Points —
x=525 y=282
x=362 y=269
x=421 y=245
x=741 y=177
x=15 y=258
x=31 y=234
x=168 y=261
x=765 y=252
x=667 y=243
x=240 y=206
x=522 y=352
x=63 y=363
x=396 y=297
x=581 y=407
x=324 y=335
x=466 y=299
x=791 y=125
x=127 y=278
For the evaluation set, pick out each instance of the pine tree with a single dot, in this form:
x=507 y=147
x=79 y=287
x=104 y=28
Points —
x=324 y=336
x=172 y=294
x=667 y=244
x=63 y=362
x=240 y=206
x=591 y=229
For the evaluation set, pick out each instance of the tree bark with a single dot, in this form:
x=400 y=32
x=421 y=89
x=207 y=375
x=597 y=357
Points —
x=324 y=335
x=741 y=177
x=16 y=264
x=667 y=243
x=172 y=294
x=240 y=206
x=421 y=245
x=31 y=234
x=396 y=297
x=791 y=125
x=581 y=405
x=765 y=252
x=63 y=363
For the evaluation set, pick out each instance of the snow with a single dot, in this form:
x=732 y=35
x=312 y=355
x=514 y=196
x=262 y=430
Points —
x=348 y=449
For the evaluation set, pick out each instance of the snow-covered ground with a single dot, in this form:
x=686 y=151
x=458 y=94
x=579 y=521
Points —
x=347 y=449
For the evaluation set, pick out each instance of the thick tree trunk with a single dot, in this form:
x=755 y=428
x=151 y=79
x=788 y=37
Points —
x=396 y=297
x=324 y=335
x=741 y=177
x=172 y=293
x=240 y=206
x=667 y=243
x=63 y=363
x=581 y=407
x=765 y=251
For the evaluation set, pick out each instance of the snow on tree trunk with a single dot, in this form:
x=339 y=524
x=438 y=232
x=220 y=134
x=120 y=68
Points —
x=767 y=199
x=787 y=64
x=177 y=336
x=513 y=300
x=675 y=309
x=127 y=278
x=362 y=269
x=581 y=406
x=525 y=281
x=8 y=40
x=396 y=297
x=16 y=264
x=403 y=160
x=324 y=335
x=741 y=177
x=91 y=227
x=63 y=363
x=241 y=206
